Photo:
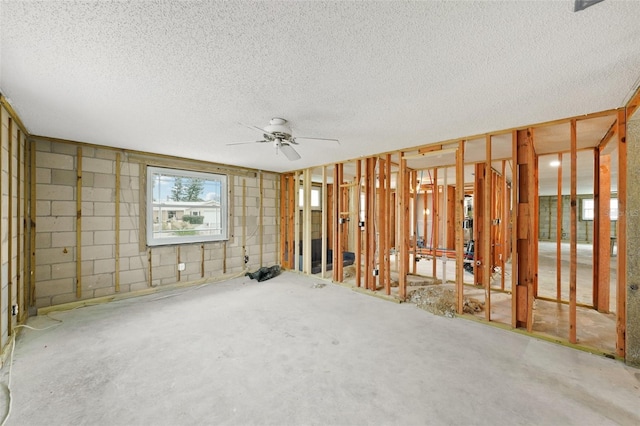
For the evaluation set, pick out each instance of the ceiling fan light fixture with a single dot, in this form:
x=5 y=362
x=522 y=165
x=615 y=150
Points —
x=279 y=127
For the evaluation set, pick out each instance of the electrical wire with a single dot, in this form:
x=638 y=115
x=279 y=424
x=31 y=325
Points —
x=13 y=348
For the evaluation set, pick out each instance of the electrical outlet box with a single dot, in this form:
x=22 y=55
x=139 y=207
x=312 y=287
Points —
x=14 y=310
x=376 y=272
x=181 y=266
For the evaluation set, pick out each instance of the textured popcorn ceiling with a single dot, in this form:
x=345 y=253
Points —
x=177 y=77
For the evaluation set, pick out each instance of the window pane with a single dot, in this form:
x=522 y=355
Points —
x=185 y=206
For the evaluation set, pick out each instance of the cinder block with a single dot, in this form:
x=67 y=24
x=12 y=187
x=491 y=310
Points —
x=63 y=208
x=64 y=177
x=107 y=291
x=43 y=273
x=68 y=298
x=162 y=272
x=86 y=239
x=129 y=222
x=105 y=209
x=55 y=287
x=54 y=161
x=54 y=256
x=107 y=154
x=43 y=208
x=42 y=302
x=129 y=169
x=104 y=181
x=43 y=240
x=87 y=208
x=105 y=266
x=98 y=165
x=134 y=276
x=130 y=250
x=63 y=270
x=104 y=237
x=138 y=286
x=63 y=239
x=168 y=258
x=87 y=267
x=67 y=148
x=98 y=194
x=98 y=281
x=97 y=252
x=44 y=146
x=43 y=175
x=54 y=192
x=97 y=223
x=129 y=183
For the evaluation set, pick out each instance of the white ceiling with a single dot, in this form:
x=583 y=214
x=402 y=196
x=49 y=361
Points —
x=177 y=77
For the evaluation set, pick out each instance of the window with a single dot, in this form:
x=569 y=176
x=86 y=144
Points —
x=185 y=206
x=588 y=212
x=316 y=199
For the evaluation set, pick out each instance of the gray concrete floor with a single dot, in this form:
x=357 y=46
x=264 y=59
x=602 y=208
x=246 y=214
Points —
x=286 y=351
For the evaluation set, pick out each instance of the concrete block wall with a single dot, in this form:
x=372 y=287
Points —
x=13 y=226
x=56 y=251
x=548 y=219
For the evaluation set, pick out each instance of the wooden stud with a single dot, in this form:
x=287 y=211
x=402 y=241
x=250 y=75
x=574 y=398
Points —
x=371 y=229
x=621 y=314
x=478 y=223
x=403 y=213
x=178 y=263
x=389 y=222
x=336 y=221
x=323 y=244
x=33 y=204
x=306 y=223
x=486 y=241
x=202 y=260
x=291 y=240
x=524 y=266
x=602 y=281
x=10 y=218
x=224 y=257
x=435 y=223
x=515 y=226
x=244 y=222
x=382 y=226
x=368 y=225
x=261 y=219
x=19 y=225
x=79 y=224
x=358 y=248
x=573 y=258
x=283 y=221
x=414 y=221
x=26 y=248
x=117 y=219
x=296 y=222
x=559 y=220
x=459 y=230
x=504 y=225
x=150 y=266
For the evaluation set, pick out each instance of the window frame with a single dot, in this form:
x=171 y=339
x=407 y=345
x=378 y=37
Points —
x=223 y=179
x=613 y=207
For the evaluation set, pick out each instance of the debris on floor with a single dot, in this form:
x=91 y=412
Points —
x=442 y=301
x=349 y=271
x=318 y=285
x=264 y=273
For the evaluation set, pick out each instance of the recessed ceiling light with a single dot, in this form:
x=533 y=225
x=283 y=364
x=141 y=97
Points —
x=554 y=163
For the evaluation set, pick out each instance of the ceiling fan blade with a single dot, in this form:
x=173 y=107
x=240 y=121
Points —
x=318 y=139
x=244 y=143
x=255 y=128
x=291 y=153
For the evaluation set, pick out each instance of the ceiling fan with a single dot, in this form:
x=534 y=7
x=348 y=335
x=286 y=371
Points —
x=279 y=133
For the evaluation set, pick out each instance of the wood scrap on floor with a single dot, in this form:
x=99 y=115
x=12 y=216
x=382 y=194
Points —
x=441 y=300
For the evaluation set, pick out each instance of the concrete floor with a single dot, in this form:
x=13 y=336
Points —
x=594 y=329
x=289 y=351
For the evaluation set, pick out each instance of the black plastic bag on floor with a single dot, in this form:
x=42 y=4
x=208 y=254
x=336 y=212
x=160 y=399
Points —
x=264 y=273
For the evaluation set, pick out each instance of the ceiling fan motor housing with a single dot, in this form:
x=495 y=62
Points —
x=279 y=128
